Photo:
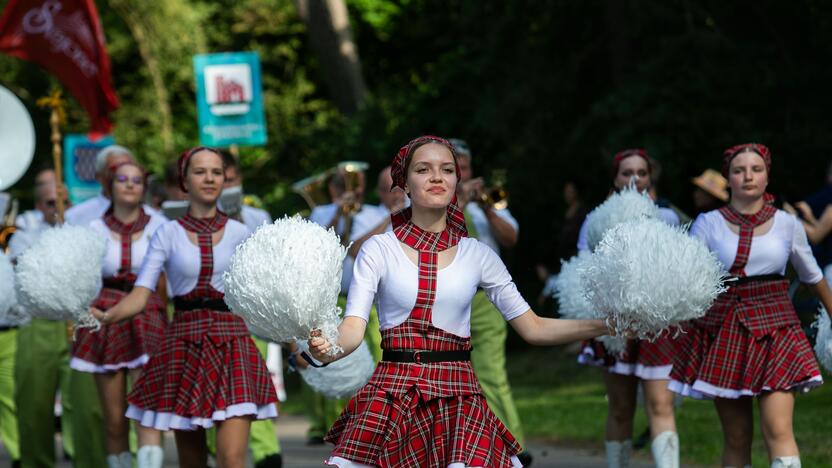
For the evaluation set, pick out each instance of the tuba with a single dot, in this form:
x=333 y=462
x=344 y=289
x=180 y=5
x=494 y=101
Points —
x=314 y=189
x=18 y=136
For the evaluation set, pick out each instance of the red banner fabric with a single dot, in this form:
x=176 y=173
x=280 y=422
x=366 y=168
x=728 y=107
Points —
x=65 y=38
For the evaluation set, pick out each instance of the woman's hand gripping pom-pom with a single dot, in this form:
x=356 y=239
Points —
x=648 y=277
x=60 y=275
x=8 y=296
x=626 y=205
x=823 y=340
x=341 y=378
x=572 y=301
x=284 y=281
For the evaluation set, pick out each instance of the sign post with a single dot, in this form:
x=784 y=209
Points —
x=79 y=165
x=229 y=98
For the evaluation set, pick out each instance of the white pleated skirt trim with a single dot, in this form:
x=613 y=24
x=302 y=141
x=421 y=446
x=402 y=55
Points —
x=344 y=463
x=701 y=390
x=93 y=368
x=641 y=371
x=166 y=421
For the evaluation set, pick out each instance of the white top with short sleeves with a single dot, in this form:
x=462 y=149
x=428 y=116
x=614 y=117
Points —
x=138 y=248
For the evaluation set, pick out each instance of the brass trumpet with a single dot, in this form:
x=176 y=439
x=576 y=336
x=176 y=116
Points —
x=495 y=195
x=352 y=171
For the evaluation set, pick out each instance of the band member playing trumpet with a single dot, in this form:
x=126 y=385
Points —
x=497 y=229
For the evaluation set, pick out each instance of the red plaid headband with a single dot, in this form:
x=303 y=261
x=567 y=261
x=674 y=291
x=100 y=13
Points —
x=185 y=159
x=624 y=154
x=111 y=175
x=729 y=154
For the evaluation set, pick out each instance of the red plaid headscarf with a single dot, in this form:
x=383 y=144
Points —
x=185 y=160
x=729 y=154
x=398 y=171
x=110 y=176
x=624 y=154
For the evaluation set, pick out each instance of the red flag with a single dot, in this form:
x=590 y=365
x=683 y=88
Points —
x=65 y=38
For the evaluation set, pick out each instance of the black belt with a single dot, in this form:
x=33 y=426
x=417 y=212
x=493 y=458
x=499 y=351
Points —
x=200 y=303
x=118 y=284
x=734 y=281
x=7 y=327
x=425 y=356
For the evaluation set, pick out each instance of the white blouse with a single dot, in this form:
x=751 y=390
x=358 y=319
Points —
x=383 y=272
x=112 y=259
x=171 y=250
x=665 y=214
x=770 y=252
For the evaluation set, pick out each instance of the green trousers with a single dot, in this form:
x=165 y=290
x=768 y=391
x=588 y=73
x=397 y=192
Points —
x=488 y=338
x=41 y=370
x=8 y=410
x=262 y=438
x=324 y=411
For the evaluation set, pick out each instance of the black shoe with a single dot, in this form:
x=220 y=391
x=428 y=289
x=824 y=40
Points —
x=525 y=458
x=272 y=461
x=315 y=440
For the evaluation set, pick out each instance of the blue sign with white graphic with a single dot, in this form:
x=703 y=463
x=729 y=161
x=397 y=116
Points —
x=79 y=165
x=229 y=99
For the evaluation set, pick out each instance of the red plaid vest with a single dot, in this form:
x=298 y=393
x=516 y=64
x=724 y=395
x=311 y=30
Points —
x=126 y=232
x=197 y=324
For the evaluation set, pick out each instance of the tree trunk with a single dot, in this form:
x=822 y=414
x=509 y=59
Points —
x=327 y=22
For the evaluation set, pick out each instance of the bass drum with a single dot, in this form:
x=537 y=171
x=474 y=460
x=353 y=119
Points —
x=16 y=152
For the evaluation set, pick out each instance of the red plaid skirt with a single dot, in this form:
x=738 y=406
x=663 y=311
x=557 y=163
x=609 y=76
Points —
x=648 y=360
x=380 y=429
x=207 y=370
x=125 y=345
x=749 y=342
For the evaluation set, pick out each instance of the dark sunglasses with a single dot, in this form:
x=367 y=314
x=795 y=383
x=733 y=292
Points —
x=54 y=203
x=137 y=180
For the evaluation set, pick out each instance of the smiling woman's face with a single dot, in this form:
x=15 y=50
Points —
x=431 y=177
x=204 y=177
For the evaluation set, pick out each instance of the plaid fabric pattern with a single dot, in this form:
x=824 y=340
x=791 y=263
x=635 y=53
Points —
x=204 y=230
x=656 y=353
x=126 y=232
x=208 y=361
x=750 y=339
x=120 y=343
x=747 y=223
x=422 y=415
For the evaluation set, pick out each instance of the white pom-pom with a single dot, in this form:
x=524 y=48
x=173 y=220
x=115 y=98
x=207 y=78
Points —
x=625 y=205
x=823 y=340
x=60 y=275
x=8 y=297
x=569 y=291
x=648 y=276
x=343 y=377
x=284 y=281
x=615 y=345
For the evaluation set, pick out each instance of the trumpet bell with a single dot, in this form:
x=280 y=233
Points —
x=495 y=197
x=313 y=189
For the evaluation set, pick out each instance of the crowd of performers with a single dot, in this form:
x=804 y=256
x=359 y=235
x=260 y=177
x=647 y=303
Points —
x=425 y=287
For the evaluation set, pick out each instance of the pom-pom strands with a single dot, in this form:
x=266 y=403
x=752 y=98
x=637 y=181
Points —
x=647 y=277
x=626 y=205
x=569 y=291
x=8 y=297
x=60 y=275
x=342 y=378
x=284 y=281
x=823 y=341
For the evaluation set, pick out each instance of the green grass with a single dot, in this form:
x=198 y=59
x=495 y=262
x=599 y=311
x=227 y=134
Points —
x=563 y=402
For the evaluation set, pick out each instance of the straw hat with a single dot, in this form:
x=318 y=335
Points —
x=713 y=183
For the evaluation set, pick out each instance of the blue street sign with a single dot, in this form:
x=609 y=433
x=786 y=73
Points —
x=229 y=99
x=79 y=165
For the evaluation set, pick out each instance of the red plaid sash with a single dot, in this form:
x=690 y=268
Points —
x=126 y=231
x=204 y=228
x=747 y=223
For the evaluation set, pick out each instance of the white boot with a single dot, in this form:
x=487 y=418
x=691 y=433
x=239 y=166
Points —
x=618 y=453
x=665 y=448
x=121 y=460
x=150 y=456
x=786 y=462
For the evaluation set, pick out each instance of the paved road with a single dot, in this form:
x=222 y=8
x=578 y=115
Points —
x=292 y=431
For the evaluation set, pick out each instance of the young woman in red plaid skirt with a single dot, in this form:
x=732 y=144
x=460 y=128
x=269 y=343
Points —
x=121 y=349
x=647 y=362
x=423 y=406
x=207 y=371
x=750 y=343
